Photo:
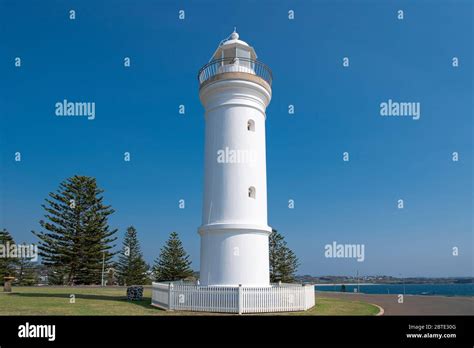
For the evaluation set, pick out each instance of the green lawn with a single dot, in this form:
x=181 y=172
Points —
x=112 y=301
x=332 y=306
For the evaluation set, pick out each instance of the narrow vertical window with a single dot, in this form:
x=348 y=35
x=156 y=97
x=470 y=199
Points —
x=252 y=192
x=251 y=125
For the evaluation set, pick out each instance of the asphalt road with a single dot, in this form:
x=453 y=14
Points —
x=412 y=304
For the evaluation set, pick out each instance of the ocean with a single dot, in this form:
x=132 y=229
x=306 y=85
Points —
x=466 y=289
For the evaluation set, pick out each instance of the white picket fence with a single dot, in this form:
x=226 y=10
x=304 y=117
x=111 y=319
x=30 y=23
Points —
x=242 y=299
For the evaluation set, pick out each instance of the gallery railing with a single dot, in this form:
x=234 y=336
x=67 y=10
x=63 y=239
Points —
x=229 y=65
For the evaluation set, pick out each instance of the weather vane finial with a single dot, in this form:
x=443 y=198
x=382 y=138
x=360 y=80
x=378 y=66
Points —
x=234 y=35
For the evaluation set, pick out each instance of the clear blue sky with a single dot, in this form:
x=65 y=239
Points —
x=337 y=110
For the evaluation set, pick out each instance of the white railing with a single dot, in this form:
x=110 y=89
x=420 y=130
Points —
x=242 y=299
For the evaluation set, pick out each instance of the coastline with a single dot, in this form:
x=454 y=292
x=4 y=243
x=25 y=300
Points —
x=411 y=305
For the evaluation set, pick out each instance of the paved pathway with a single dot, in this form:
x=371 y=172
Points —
x=412 y=304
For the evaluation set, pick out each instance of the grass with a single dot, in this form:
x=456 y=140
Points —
x=332 y=306
x=112 y=301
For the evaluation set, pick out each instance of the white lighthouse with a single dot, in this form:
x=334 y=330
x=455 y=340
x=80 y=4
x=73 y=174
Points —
x=235 y=90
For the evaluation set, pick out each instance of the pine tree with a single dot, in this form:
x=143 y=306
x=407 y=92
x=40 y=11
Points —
x=57 y=275
x=131 y=266
x=77 y=237
x=283 y=261
x=173 y=262
x=7 y=264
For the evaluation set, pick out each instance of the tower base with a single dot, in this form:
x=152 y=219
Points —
x=234 y=254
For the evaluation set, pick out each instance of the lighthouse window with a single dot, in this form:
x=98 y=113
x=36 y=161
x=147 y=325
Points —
x=228 y=54
x=242 y=53
x=252 y=192
x=251 y=125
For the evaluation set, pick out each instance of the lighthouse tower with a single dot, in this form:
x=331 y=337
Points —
x=235 y=90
